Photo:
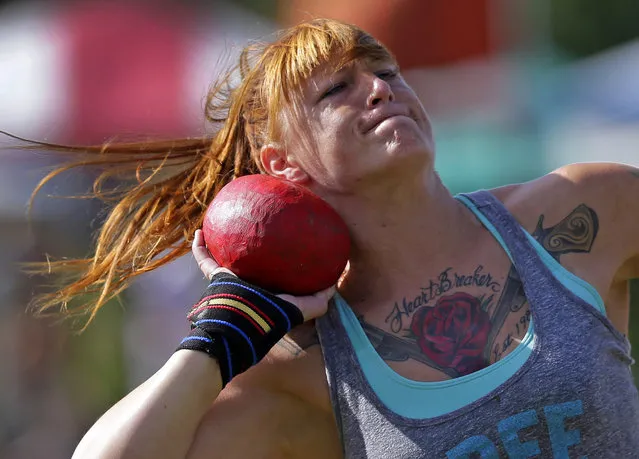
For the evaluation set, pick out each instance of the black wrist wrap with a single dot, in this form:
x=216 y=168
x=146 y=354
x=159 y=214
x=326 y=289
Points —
x=238 y=323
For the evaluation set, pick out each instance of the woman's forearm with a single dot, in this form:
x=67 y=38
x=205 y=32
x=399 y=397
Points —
x=159 y=418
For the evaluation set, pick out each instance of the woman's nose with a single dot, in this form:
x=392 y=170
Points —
x=379 y=92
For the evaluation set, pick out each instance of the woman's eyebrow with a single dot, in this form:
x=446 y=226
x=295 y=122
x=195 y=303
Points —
x=326 y=78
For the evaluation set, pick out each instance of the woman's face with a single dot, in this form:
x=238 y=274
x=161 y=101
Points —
x=365 y=125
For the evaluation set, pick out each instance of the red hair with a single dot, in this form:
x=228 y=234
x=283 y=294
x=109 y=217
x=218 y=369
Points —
x=171 y=183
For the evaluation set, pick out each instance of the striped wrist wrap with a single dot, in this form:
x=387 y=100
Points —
x=238 y=323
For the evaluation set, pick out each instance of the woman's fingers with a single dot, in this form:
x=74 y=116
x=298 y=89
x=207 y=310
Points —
x=205 y=261
x=312 y=306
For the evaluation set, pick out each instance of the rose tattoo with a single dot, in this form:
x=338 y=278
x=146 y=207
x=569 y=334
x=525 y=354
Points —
x=453 y=333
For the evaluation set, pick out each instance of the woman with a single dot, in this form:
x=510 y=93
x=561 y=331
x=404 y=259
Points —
x=469 y=326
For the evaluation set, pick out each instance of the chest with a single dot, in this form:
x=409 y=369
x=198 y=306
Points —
x=460 y=322
x=561 y=390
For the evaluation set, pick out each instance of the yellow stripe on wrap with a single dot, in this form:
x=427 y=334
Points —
x=242 y=307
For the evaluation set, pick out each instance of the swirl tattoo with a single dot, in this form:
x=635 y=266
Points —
x=575 y=233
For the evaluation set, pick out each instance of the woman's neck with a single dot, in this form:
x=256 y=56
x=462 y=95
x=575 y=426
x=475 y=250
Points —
x=394 y=243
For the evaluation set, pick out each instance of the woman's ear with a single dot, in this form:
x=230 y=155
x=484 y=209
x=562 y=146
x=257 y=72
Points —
x=277 y=163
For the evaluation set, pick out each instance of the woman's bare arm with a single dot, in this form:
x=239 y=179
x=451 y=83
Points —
x=160 y=417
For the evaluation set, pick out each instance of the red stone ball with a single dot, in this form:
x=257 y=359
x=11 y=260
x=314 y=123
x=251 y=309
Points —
x=276 y=234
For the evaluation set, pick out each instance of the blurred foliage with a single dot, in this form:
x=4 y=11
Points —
x=265 y=8
x=96 y=369
x=584 y=27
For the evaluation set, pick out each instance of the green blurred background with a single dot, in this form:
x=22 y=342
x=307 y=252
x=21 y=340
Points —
x=515 y=88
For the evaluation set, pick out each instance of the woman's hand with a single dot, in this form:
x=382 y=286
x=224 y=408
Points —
x=311 y=306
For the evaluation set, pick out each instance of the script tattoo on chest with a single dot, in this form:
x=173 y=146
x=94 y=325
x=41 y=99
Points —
x=446 y=281
x=455 y=332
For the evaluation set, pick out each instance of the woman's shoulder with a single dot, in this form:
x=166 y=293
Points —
x=560 y=191
x=550 y=196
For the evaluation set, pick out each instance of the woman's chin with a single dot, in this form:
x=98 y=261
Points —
x=407 y=147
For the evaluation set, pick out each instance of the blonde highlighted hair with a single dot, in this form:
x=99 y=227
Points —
x=170 y=183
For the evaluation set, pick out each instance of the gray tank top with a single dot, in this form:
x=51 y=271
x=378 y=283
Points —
x=574 y=397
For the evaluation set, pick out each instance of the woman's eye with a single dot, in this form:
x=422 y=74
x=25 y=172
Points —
x=333 y=90
x=386 y=74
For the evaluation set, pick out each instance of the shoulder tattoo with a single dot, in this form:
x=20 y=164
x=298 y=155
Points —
x=575 y=233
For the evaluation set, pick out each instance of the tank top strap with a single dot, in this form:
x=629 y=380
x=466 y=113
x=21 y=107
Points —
x=531 y=269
